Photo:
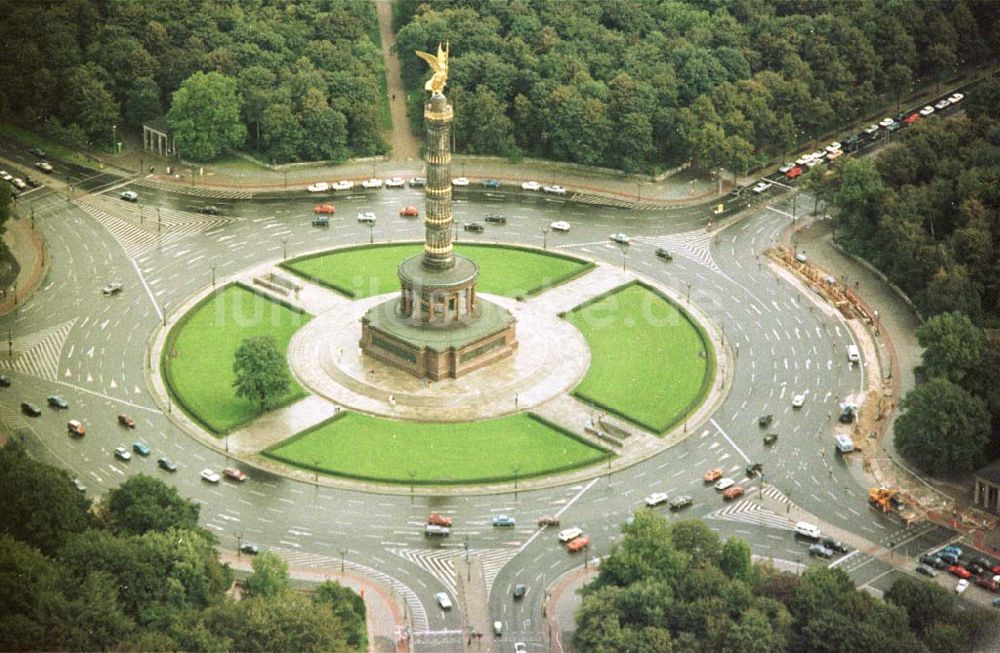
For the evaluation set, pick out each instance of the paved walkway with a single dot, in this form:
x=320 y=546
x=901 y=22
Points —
x=403 y=145
x=29 y=250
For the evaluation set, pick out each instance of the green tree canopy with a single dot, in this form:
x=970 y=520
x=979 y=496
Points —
x=261 y=372
x=143 y=503
x=270 y=576
x=953 y=345
x=205 y=116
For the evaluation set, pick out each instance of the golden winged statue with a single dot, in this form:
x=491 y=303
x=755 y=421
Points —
x=439 y=65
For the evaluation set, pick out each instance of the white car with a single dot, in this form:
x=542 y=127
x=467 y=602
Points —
x=833 y=147
x=44 y=166
x=210 y=476
x=926 y=111
x=761 y=187
x=956 y=98
x=367 y=217
x=121 y=453
x=374 y=182
x=460 y=181
x=530 y=185
x=343 y=184
x=621 y=239
x=804 y=159
x=555 y=189
x=813 y=163
x=520 y=647
x=963 y=585
x=785 y=168
x=871 y=129
x=18 y=183
x=395 y=182
x=724 y=483
x=941 y=104
x=656 y=498
x=443 y=600
x=6 y=176
x=798 y=400
x=130 y=196
x=318 y=187
x=559 y=225
x=568 y=534
x=885 y=122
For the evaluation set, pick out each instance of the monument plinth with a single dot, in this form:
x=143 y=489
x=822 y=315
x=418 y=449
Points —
x=437 y=327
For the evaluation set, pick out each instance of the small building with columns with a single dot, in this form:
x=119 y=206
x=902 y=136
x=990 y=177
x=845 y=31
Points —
x=157 y=137
x=987 y=488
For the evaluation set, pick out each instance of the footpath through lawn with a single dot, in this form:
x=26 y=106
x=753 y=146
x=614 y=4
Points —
x=372 y=448
x=198 y=358
x=366 y=271
x=648 y=362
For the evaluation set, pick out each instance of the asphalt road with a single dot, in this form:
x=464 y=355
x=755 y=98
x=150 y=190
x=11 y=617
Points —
x=91 y=349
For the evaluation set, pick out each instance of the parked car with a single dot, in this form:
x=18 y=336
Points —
x=925 y=571
x=18 y=183
x=490 y=183
x=395 y=182
x=560 y=225
x=504 y=521
x=987 y=583
x=76 y=428
x=912 y=118
x=961 y=586
x=519 y=591
x=734 y=492
x=31 y=181
x=678 y=503
x=121 y=453
x=959 y=571
x=318 y=187
x=325 y=209
x=418 y=181
x=663 y=253
x=141 y=449
x=130 y=196
x=955 y=98
x=374 y=182
x=438 y=519
x=495 y=218
x=167 y=464
x=44 y=166
x=948 y=557
x=474 y=227
x=235 y=474
x=56 y=401
x=37 y=151
x=554 y=189
x=578 y=544
x=820 y=551
x=835 y=545
x=78 y=484
x=761 y=187
x=794 y=172
x=112 y=288
x=951 y=548
x=460 y=181
x=520 y=647
x=933 y=561
x=211 y=209
x=712 y=475
x=210 y=476
x=126 y=421
x=941 y=104
x=926 y=111
x=343 y=184
x=30 y=409
x=870 y=129
x=409 y=212
x=656 y=499
x=531 y=185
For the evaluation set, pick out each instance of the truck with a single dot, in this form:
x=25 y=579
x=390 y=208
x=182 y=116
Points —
x=889 y=501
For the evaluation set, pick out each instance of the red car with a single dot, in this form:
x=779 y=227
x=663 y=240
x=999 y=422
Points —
x=578 y=544
x=961 y=572
x=988 y=583
x=712 y=475
x=329 y=209
x=794 y=172
x=235 y=474
x=912 y=118
x=734 y=492
x=438 y=519
x=409 y=212
x=126 y=421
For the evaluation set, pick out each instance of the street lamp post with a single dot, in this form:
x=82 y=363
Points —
x=688 y=292
x=213 y=276
x=239 y=541
x=284 y=248
x=343 y=556
x=545 y=237
x=624 y=254
x=371 y=233
x=114 y=138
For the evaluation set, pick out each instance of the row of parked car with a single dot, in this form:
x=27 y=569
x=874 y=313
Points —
x=374 y=183
x=976 y=570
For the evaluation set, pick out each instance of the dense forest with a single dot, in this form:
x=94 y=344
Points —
x=636 y=84
x=926 y=211
x=673 y=587
x=302 y=79
x=137 y=573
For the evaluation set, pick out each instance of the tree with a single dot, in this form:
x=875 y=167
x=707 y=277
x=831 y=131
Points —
x=143 y=503
x=269 y=578
x=953 y=345
x=89 y=104
x=281 y=134
x=205 y=116
x=735 y=560
x=288 y=622
x=143 y=102
x=925 y=602
x=348 y=607
x=261 y=372
x=6 y=197
x=942 y=427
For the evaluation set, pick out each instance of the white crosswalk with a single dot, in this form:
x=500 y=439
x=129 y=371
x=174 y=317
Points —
x=12 y=419
x=197 y=191
x=693 y=245
x=440 y=563
x=145 y=229
x=37 y=353
x=600 y=200
x=294 y=558
x=749 y=511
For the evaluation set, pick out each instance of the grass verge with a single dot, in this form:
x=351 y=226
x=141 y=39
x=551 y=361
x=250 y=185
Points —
x=200 y=349
x=369 y=448
x=369 y=270
x=648 y=362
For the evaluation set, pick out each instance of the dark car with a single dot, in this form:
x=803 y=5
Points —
x=496 y=218
x=765 y=420
x=987 y=583
x=770 y=438
x=58 y=402
x=4 y=381
x=982 y=562
x=474 y=226
x=974 y=569
x=820 y=551
x=31 y=181
x=321 y=221
x=948 y=557
x=30 y=409
x=490 y=183
x=249 y=548
x=933 y=561
x=210 y=210
x=835 y=545
x=754 y=468
x=37 y=151
x=167 y=464
x=664 y=254
x=520 y=591
x=683 y=501
x=926 y=571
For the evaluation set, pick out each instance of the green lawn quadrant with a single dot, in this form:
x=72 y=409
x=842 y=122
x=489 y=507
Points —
x=199 y=354
x=366 y=271
x=378 y=449
x=648 y=362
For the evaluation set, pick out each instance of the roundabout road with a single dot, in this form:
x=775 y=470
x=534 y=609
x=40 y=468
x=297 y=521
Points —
x=70 y=339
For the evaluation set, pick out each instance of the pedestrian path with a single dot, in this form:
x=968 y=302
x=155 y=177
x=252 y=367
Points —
x=440 y=562
x=692 y=245
x=147 y=229
x=750 y=511
x=196 y=191
x=614 y=202
x=38 y=354
x=565 y=297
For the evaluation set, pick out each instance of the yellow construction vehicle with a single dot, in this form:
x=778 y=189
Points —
x=888 y=501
